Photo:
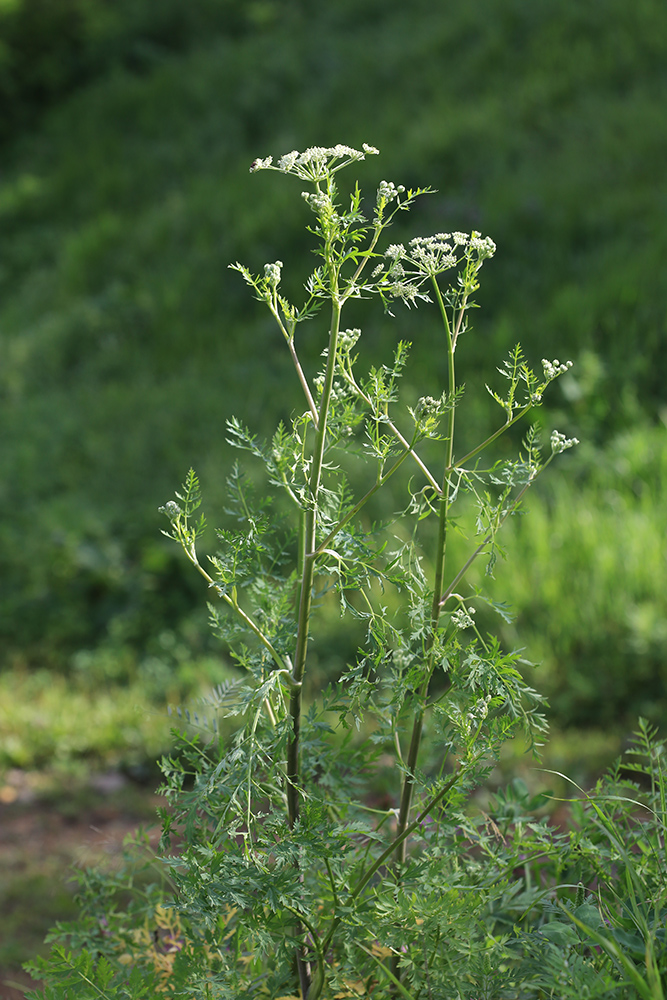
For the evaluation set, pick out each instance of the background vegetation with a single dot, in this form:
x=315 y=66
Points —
x=127 y=134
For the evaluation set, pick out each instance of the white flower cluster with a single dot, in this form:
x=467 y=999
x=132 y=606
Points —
x=272 y=273
x=347 y=339
x=396 y=251
x=261 y=164
x=315 y=163
x=484 y=245
x=405 y=290
x=554 y=368
x=462 y=618
x=470 y=721
x=432 y=254
x=559 y=442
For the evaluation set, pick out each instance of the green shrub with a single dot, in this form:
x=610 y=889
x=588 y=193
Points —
x=287 y=877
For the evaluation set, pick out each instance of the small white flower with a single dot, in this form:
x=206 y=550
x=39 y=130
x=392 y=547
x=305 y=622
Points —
x=287 y=161
x=260 y=164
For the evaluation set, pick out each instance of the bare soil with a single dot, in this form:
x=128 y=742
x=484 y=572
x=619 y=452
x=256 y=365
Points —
x=49 y=824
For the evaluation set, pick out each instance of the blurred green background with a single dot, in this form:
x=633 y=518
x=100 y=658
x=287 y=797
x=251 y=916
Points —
x=127 y=131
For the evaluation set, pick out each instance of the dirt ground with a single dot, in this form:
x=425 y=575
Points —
x=48 y=825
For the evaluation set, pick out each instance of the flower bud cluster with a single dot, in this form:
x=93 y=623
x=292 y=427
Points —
x=272 y=273
x=462 y=618
x=554 y=368
x=427 y=407
x=319 y=202
x=338 y=392
x=347 y=339
x=484 y=246
x=399 y=288
x=171 y=509
x=560 y=443
x=387 y=191
x=405 y=290
x=480 y=711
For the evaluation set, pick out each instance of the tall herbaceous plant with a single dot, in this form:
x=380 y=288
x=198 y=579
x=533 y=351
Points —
x=293 y=877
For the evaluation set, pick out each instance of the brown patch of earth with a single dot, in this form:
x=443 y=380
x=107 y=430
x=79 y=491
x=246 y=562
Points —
x=49 y=825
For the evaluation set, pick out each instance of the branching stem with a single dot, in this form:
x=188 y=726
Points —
x=308 y=570
x=436 y=607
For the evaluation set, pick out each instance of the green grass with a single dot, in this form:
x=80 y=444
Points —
x=95 y=719
x=588 y=578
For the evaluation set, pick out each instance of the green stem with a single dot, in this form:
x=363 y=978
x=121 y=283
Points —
x=418 y=722
x=397 y=434
x=351 y=381
x=396 y=983
x=361 y=503
x=492 y=437
x=282 y=662
x=367 y=875
x=289 y=337
x=480 y=548
x=307 y=574
x=310 y=989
